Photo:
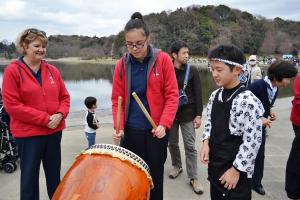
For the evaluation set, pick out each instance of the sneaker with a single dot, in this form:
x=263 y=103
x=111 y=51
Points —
x=197 y=186
x=175 y=171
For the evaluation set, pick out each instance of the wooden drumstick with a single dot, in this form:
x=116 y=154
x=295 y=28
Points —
x=135 y=96
x=119 y=115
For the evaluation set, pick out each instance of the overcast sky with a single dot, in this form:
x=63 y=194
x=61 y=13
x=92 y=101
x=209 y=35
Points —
x=106 y=17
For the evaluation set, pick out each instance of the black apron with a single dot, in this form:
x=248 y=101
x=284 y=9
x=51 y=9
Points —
x=224 y=146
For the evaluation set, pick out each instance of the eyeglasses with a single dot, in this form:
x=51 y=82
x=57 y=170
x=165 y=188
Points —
x=138 y=46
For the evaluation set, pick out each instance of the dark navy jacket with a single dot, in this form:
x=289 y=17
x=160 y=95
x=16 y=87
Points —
x=260 y=89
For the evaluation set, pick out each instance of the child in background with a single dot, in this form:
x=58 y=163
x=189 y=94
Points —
x=91 y=122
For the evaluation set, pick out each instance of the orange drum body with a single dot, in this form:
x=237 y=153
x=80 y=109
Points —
x=107 y=172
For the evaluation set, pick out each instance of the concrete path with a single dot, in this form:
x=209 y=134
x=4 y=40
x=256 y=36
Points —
x=277 y=150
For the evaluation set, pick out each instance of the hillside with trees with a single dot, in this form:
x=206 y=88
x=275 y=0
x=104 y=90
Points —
x=202 y=27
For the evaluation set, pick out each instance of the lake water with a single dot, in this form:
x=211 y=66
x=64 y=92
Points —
x=86 y=79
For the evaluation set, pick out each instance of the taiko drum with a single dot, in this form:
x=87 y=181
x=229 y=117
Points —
x=107 y=172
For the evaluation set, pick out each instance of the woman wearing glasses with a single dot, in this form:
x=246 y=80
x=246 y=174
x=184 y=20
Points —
x=149 y=73
x=37 y=101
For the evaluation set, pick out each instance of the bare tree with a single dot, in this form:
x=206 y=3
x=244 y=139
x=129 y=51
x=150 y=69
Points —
x=268 y=46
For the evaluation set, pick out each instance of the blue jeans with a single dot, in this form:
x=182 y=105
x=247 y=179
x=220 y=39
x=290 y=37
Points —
x=91 y=137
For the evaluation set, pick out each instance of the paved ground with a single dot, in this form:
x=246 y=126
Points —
x=277 y=150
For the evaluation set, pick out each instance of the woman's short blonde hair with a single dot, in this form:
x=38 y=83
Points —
x=28 y=36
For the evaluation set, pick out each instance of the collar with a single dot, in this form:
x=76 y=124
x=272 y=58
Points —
x=33 y=72
x=236 y=88
x=269 y=84
x=181 y=69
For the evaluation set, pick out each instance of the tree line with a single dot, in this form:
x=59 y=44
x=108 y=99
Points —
x=202 y=27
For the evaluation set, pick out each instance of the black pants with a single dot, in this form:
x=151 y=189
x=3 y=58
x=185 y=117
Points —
x=153 y=151
x=33 y=151
x=292 y=176
x=259 y=163
x=241 y=192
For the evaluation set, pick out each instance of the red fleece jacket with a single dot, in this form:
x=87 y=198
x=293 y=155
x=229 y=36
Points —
x=30 y=104
x=162 y=91
x=295 y=114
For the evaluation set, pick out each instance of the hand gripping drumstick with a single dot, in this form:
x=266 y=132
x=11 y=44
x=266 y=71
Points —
x=137 y=99
x=119 y=115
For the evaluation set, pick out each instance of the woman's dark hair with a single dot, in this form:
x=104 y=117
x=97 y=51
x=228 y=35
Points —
x=137 y=22
x=281 y=69
x=177 y=45
x=90 y=101
x=228 y=52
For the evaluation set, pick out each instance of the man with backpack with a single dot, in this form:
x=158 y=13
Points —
x=188 y=115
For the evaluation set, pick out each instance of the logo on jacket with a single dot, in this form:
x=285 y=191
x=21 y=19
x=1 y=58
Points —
x=51 y=79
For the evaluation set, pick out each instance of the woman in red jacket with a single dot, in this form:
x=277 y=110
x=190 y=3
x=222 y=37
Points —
x=37 y=101
x=150 y=73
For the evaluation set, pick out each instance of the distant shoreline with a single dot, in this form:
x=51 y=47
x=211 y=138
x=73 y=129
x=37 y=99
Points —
x=201 y=62
x=75 y=60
